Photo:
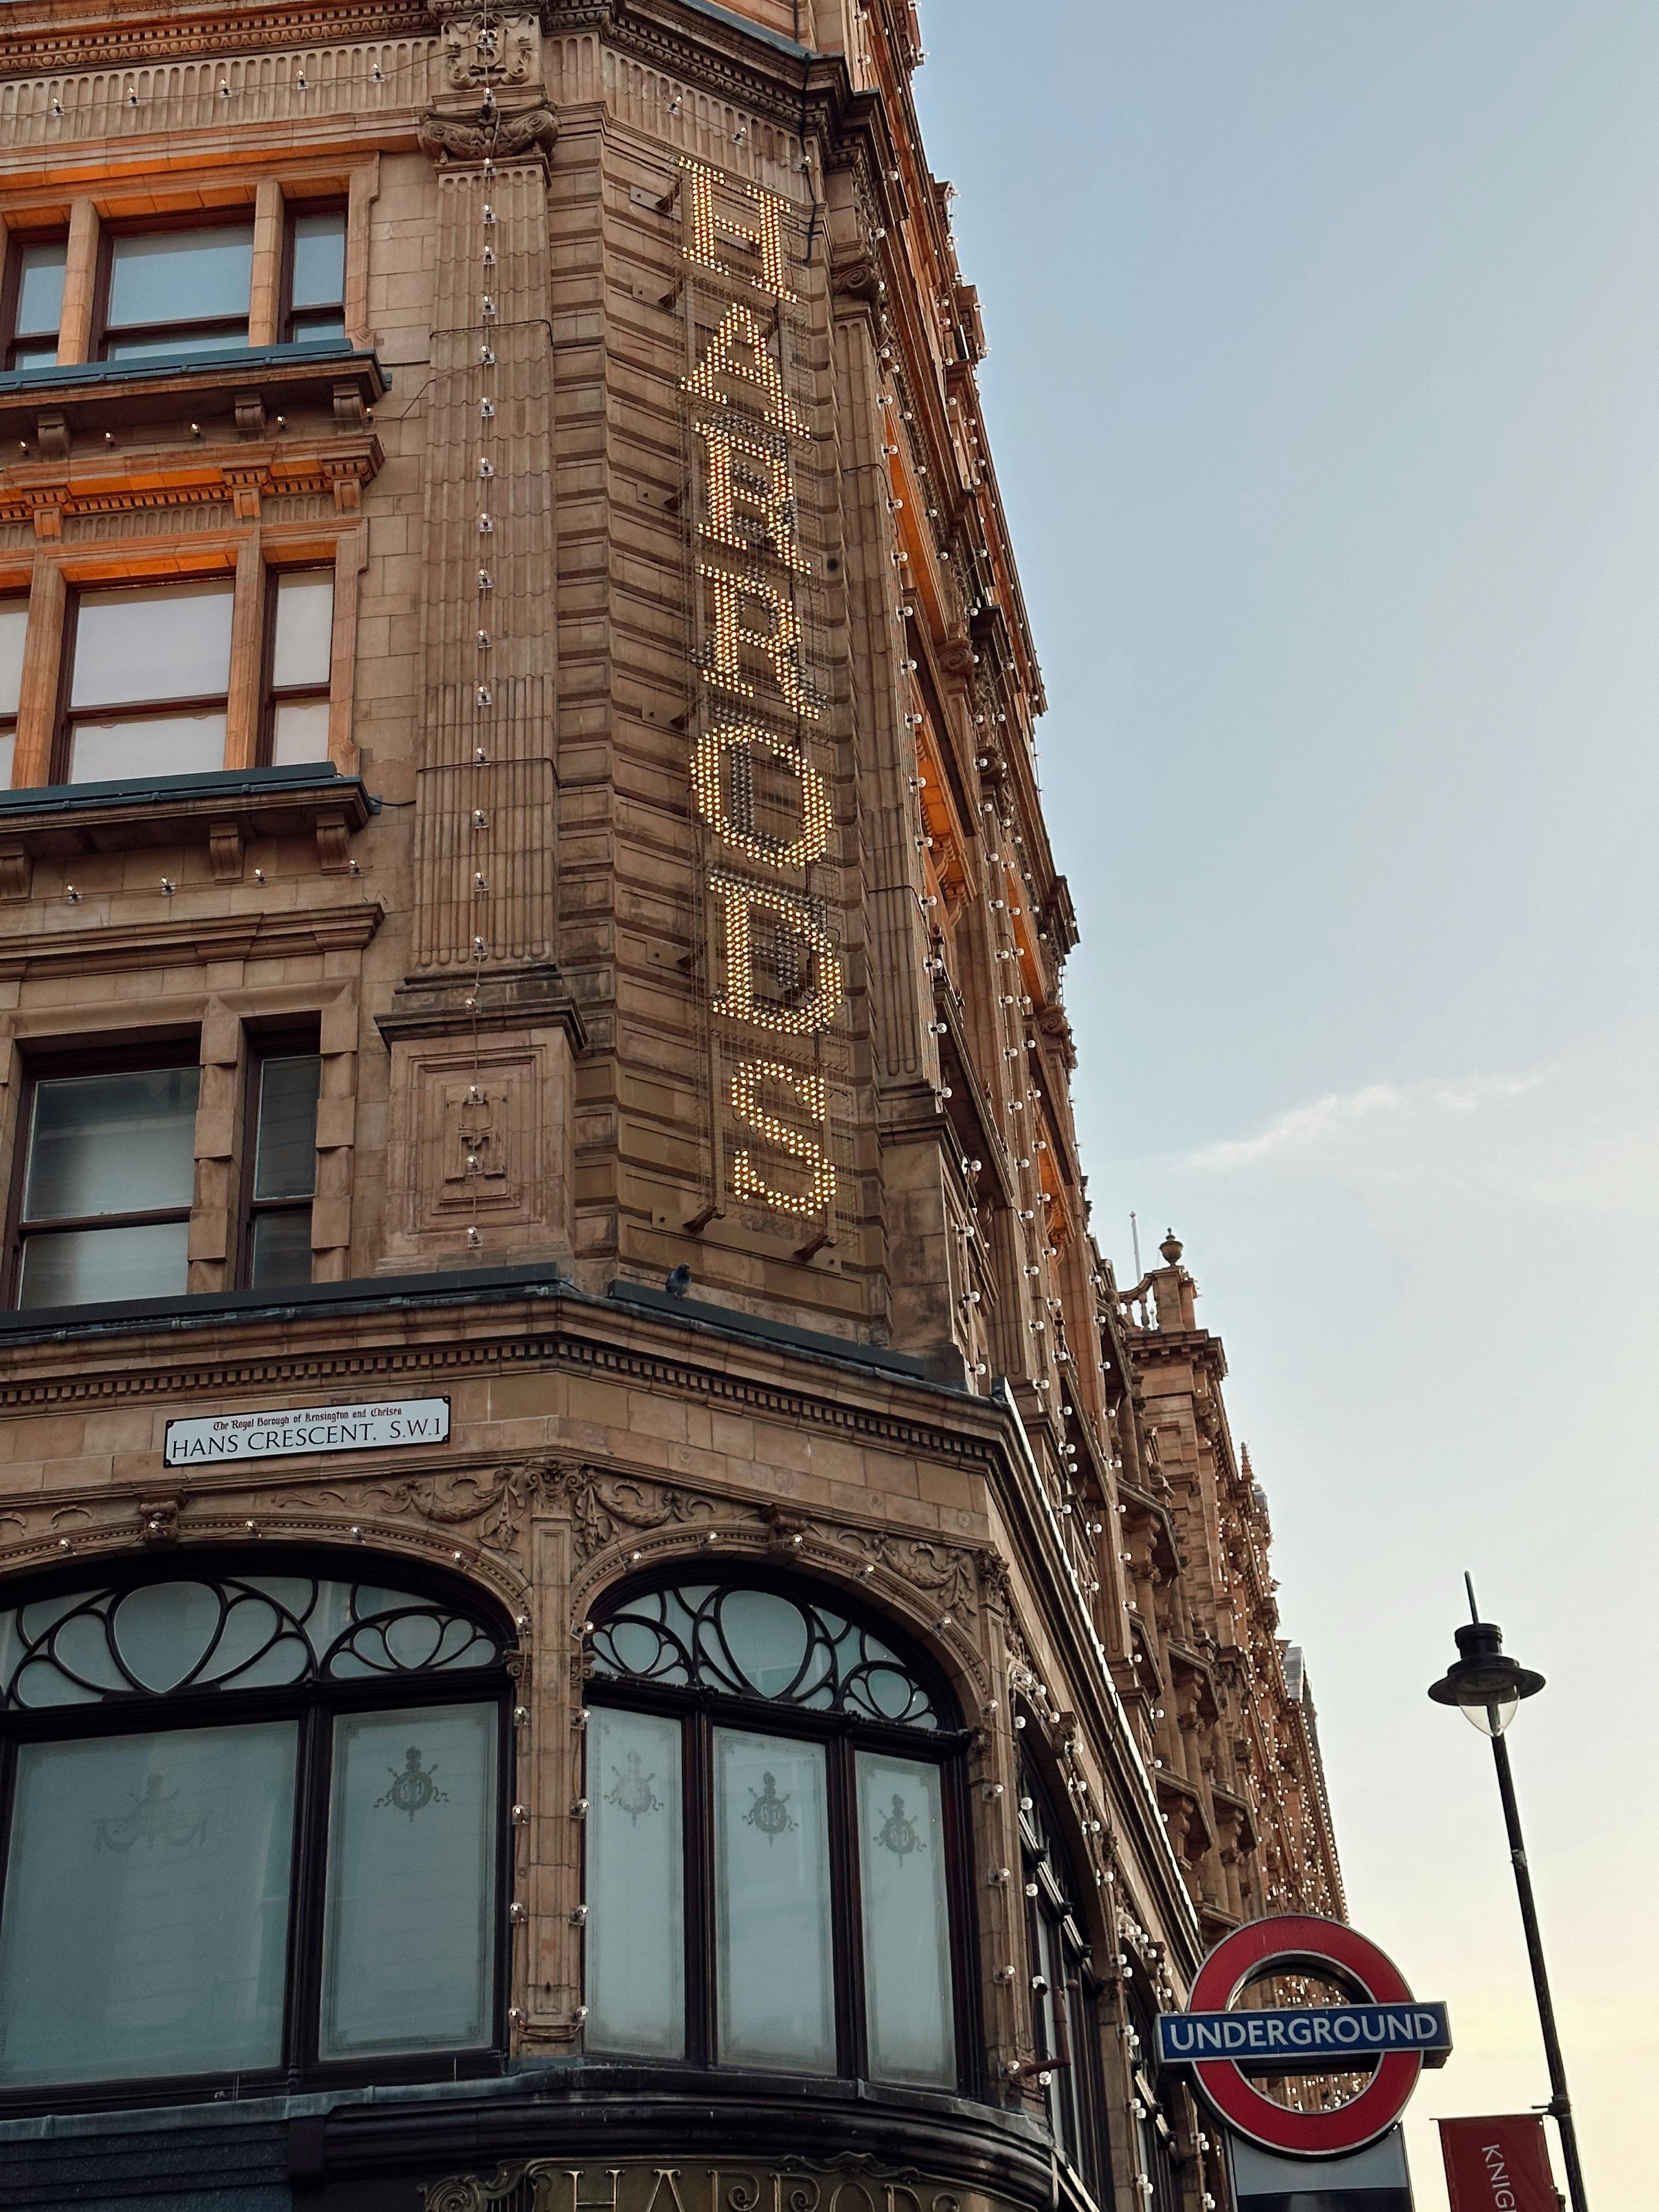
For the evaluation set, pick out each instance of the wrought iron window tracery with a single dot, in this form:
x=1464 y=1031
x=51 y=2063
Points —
x=736 y=1640
x=242 y=1632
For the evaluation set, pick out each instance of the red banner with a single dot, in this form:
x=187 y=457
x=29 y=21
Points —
x=1498 y=2165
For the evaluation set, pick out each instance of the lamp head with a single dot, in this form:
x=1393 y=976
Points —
x=1486 y=1684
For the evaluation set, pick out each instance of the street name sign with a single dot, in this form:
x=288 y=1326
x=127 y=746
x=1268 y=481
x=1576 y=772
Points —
x=382 y=1425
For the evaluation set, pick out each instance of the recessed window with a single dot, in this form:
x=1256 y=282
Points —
x=145 y=678
x=14 y=630
x=177 y=290
x=314 y=306
x=253 y=1824
x=281 y=1168
x=32 y=303
x=301 y=633
x=150 y=671
x=773 y=1862
x=1064 y=2004
x=105 y=1178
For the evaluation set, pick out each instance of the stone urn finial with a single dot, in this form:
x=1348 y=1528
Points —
x=1170 y=1247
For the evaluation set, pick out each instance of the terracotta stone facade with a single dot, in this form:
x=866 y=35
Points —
x=675 y=894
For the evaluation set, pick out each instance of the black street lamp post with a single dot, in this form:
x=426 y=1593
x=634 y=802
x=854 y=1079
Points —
x=1489 y=1687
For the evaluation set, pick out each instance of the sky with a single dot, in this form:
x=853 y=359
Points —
x=1324 y=397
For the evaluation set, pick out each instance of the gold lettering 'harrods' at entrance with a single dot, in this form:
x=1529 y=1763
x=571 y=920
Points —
x=778 y=977
x=548 y=2184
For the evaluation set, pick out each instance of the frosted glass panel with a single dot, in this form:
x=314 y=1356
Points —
x=112 y=1144
x=181 y=276
x=158 y=744
x=145 y=1922
x=171 y=643
x=305 y=628
x=774 y=1974
x=409 y=1936
x=79 y=1266
x=906 y=1928
x=14 y=627
x=635 y=1983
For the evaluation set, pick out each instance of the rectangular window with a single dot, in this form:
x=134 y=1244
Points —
x=145 y=1931
x=775 y=1971
x=314 y=289
x=107 y=1177
x=280 y=1166
x=14 y=628
x=177 y=290
x=300 y=628
x=32 y=303
x=408 y=1928
x=635 y=1963
x=149 y=676
x=906 y=1932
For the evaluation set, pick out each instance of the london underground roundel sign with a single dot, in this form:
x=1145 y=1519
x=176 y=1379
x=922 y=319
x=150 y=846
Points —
x=1386 y=2028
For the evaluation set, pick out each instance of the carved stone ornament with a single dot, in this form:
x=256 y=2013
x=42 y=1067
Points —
x=545 y=2185
x=485 y=46
x=501 y=138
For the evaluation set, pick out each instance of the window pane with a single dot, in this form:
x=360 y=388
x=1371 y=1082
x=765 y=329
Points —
x=166 y=349
x=282 y=1251
x=181 y=276
x=41 y=290
x=34 y=356
x=305 y=628
x=78 y=1266
x=14 y=627
x=120 y=1142
x=318 y=258
x=774 y=1977
x=907 y=1925
x=7 y=757
x=635 y=1992
x=146 y=1905
x=409 y=1936
x=155 y=745
x=313 y=328
x=132 y=647
x=285 y=1152
x=300 y=733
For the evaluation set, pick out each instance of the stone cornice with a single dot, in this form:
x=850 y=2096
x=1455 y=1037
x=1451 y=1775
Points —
x=83 y=34
x=193 y=938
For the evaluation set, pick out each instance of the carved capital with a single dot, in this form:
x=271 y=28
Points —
x=486 y=135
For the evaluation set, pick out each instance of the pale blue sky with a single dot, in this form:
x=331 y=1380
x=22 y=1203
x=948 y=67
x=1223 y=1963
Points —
x=1324 y=394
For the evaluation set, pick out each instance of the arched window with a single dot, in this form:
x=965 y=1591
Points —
x=252 y=1824
x=1065 y=2007
x=773 y=1844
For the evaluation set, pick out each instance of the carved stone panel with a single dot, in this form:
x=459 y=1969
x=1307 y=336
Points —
x=479 y=1136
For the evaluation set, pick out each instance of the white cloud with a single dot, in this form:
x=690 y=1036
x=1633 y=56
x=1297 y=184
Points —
x=1393 y=1106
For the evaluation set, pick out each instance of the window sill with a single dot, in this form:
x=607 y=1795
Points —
x=48 y=407
x=226 y=810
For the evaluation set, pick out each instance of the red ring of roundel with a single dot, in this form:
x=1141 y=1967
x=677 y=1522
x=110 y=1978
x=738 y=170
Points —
x=1298 y=1939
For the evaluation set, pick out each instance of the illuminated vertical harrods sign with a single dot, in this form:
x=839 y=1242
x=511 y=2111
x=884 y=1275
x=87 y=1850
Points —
x=770 y=880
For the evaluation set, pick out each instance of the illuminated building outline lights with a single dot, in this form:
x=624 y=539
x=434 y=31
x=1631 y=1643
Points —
x=744 y=420
x=709 y=781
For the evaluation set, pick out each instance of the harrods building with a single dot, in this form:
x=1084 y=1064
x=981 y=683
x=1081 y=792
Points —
x=604 y=1601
